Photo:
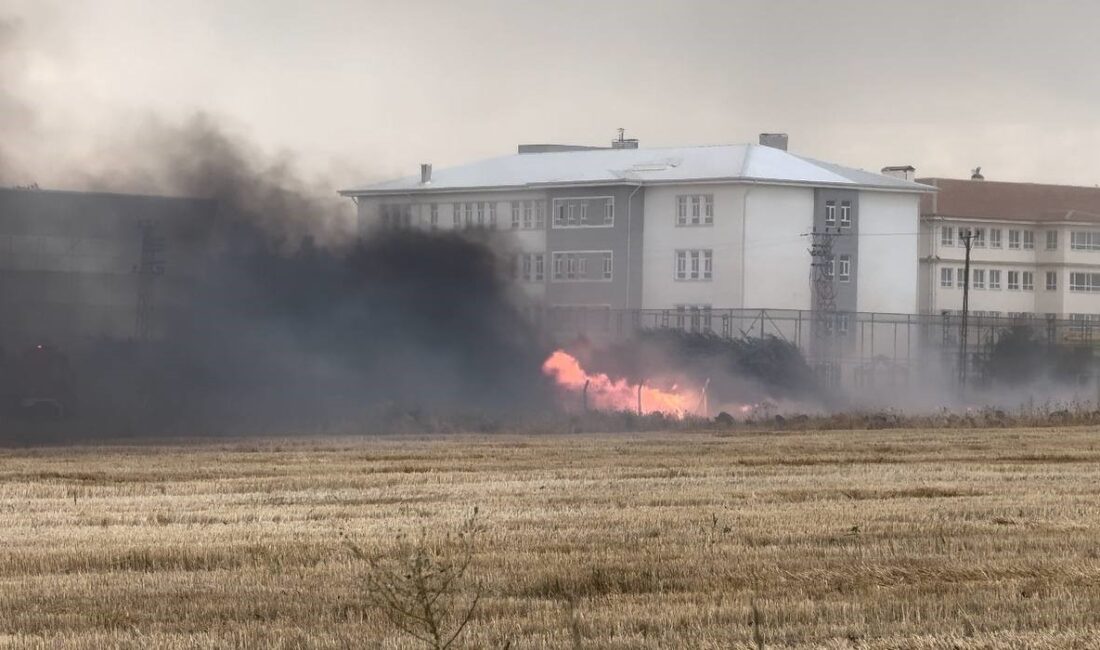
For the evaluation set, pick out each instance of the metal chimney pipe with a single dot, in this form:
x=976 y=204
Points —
x=426 y=173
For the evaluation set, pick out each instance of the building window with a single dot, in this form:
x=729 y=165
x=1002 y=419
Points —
x=433 y=215
x=573 y=212
x=979 y=278
x=947 y=235
x=532 y=267
x=845 y=214
x=608 y=265
x=540 y=215
x=1052 y=280
x=457 y=212
x=468 y=211
x=843 y=323
x=995 y=238
x=947 y=278
x=1085 y=240
x=492 y=215
x=480 y=213
x=994 y=279
x=515 y=215
x=1027 y=281
x=960 y=275
x=1013 y=280
x=978 y=238
x=830 y=213
x=396 y=216
x=695 y=210
x=698 y=317
x=695 y=264
x=1089 y=282
x=1029 y=240
x=1052 y=240
x=1014 y=239
x=845 y=268
x=528 y=215
x=573 y=266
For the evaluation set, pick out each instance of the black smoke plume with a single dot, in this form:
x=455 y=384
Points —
x=289 y=319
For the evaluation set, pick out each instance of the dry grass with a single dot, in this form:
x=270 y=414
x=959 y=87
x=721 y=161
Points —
x=871 y=539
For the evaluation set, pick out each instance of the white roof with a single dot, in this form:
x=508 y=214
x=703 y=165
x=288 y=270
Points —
x=739 y=162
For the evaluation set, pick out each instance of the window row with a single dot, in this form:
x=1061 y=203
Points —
x=584 y=212
x=1085 y=240
x=575 y=266
x=845 y=213
x=471 y=214
x=525 y=215
x=991 y=238
x=528 y=215
x=477 y=214
x=694 y=265
x=991 y=279
x=695 y=210
x=1018 y=280
x=1088 y=282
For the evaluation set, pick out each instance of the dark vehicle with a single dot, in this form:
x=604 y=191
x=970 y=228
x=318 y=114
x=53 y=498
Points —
x=39 y=383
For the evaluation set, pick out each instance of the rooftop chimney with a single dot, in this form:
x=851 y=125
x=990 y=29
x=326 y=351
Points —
x=774 y=140
x=976 y=174
x=624 y=143
x=904 y=172
x=425 y=173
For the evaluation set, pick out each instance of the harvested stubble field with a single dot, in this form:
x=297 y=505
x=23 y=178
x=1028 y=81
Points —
x=870 y=539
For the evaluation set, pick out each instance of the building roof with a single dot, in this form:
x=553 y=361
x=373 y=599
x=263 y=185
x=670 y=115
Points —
x=973 y=199
x=743 y=162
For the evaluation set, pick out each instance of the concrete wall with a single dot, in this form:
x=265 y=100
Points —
x=663 y=237
x=777 y=259
x=889 y=266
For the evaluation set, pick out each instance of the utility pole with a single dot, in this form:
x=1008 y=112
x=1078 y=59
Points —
x=824 y=297
x=150 y=266
x=967 y=238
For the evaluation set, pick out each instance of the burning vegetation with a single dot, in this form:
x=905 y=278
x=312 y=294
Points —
x=598 y=391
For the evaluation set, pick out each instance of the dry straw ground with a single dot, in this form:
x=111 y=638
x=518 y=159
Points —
x=871 y=539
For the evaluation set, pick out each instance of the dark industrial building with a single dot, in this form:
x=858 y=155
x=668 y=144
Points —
x=80 y=267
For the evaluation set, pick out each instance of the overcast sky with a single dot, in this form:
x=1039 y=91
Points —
x=361 y=90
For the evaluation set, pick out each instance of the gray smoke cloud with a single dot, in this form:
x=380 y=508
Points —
x=16 y=118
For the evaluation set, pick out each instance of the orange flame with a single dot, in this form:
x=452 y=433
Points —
x=618 y=395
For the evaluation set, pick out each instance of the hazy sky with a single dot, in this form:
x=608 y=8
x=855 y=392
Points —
x=368 y=89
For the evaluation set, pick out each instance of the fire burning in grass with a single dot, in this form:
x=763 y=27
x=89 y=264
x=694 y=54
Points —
x=602 y=392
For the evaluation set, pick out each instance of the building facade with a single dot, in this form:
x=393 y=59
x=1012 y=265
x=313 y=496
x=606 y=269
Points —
x=1035 y=249
x=689 y=230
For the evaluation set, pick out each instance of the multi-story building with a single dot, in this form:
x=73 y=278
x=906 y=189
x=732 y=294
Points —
x=687 y=228
x=1035 y=249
